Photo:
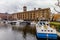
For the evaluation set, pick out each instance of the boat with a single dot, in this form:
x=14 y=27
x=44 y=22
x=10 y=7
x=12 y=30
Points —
x=15 y=22
x=19 y=23
x=43 y=30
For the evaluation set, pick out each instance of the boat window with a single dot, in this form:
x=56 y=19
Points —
x=41 y=30
x=40 y=23
x=45 y=30
x=43 y=23
x=51 y=31
x=48 y=30
x=47 y=24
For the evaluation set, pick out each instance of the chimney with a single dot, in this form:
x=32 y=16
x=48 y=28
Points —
x=39 y=8
x=24 y=8
x=34 y=8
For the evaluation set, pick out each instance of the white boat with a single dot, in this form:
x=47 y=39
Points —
x=18 y=23
x=43 y=30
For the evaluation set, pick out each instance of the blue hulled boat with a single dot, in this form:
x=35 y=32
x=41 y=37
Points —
x=43 y=30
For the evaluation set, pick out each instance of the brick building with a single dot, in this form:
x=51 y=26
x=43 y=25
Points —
x=32 y=15
x=3 y=16
x=56 y=17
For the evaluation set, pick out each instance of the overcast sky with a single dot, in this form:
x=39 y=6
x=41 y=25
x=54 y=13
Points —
x=17 y=5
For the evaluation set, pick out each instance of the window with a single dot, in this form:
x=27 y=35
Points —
x=51 y=30
x=48 y=30
x=40 y=23
x=47 y=24
x=43 y=23
x=41 y=30
x=45 y=30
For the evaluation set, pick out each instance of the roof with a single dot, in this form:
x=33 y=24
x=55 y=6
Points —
x=34 y=10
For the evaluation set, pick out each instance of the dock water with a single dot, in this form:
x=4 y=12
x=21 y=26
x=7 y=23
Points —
x=32 y=30
x=27 y=30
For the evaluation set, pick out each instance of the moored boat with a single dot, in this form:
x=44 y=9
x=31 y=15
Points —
x=43 y=30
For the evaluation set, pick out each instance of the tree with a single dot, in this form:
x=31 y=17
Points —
x=57 y=4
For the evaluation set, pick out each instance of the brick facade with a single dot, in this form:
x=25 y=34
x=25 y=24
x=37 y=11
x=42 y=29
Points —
x=33 y=14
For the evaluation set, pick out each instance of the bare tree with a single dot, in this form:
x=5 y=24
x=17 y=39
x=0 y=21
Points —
x=57 y=4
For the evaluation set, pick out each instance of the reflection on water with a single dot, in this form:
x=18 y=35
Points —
x=9 y=34
x=24 y=34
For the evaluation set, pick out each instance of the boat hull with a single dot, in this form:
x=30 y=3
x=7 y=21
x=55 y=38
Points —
x=45 y=35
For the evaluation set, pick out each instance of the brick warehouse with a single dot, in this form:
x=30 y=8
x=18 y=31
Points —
x=32 y=15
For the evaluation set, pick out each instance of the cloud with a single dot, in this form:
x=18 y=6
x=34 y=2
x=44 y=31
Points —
x=17 y=5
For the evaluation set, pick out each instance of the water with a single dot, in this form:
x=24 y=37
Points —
x=9 y=34
x=6 y=33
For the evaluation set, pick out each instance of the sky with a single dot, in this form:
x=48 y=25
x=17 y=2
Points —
x=12 y=6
